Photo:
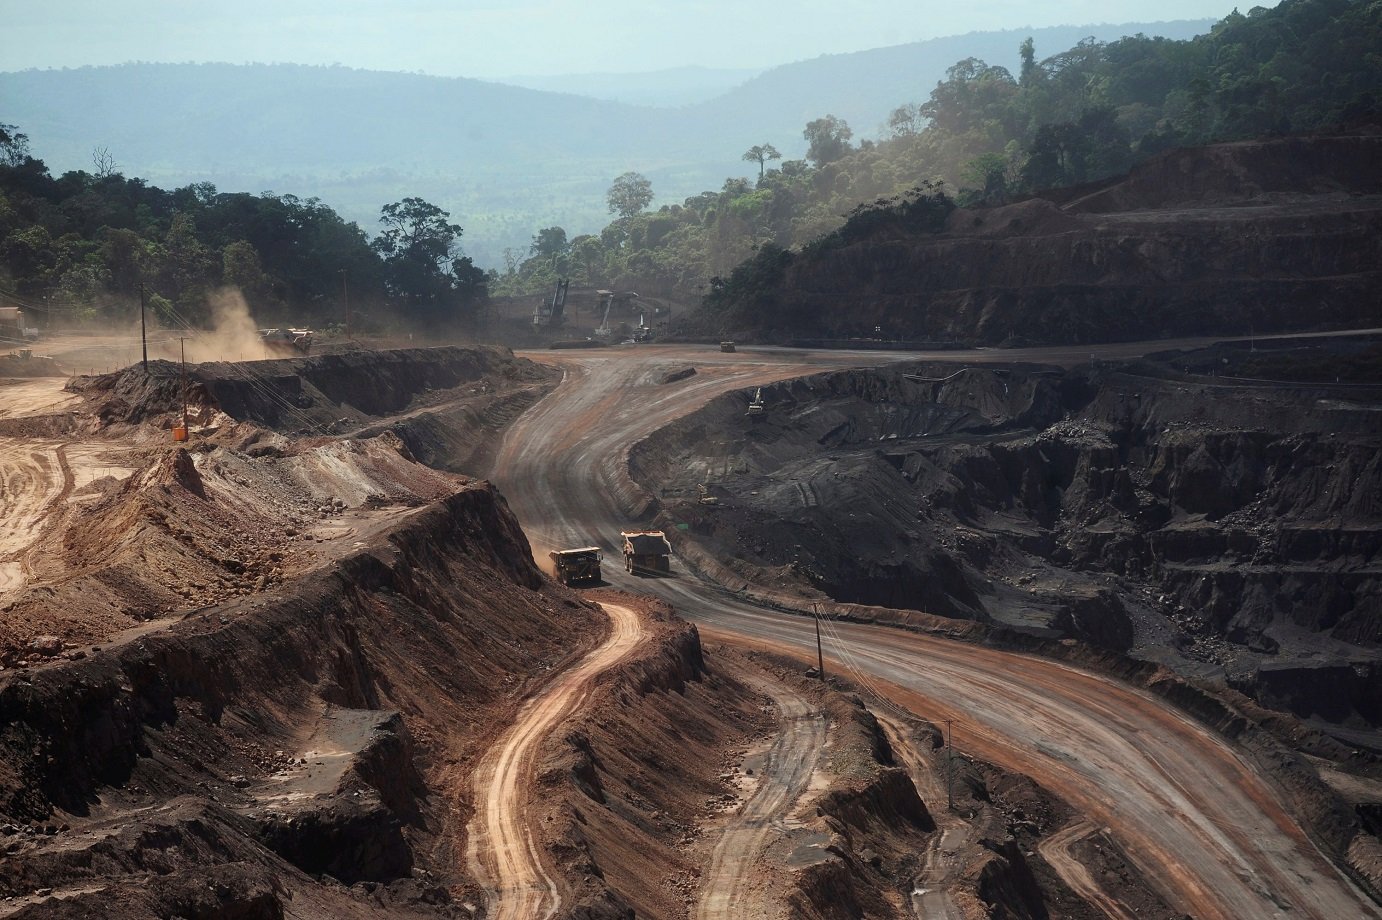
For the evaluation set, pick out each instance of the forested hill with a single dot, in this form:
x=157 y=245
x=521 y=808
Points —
x=501 y=159
x=865 y=87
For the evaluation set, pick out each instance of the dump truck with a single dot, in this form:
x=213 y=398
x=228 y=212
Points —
x=580 y=566
x=647 y=552
x=726 y=346
x=289 y=342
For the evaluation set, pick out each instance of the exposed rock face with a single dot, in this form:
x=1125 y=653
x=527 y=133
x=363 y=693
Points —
x=293 y=748
x=1280 y=235
x=323 y=393
x=1231 y=528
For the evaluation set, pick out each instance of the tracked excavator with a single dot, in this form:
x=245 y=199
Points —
x=552 y=313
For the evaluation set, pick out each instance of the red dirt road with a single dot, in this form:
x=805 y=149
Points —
x=1210 y=834
x=500 y=847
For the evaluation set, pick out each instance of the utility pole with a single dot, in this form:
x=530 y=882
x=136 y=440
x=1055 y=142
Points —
x=182 y=345
x=949 y=767
x=820 y=656
x=143 y=335
x=345 y=299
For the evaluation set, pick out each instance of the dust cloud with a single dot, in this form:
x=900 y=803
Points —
x=233 y=336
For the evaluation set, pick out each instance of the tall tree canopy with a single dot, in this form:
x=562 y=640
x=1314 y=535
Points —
x=550 y=243
x=422 y=266
x=761 y=154
x=828 y=139
x=629 y=194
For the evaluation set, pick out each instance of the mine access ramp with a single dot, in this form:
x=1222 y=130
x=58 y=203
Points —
x=580 y=566
x=647 y=552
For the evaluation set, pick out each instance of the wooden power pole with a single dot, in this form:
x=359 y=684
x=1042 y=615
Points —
x=143 y=335
x=949 y=767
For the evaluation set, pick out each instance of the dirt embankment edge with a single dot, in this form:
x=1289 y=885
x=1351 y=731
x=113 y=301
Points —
x=331 y=714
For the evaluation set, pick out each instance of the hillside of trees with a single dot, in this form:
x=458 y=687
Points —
x=502 y=159
x=86 y=247
x=989 y=135
x=87 y=239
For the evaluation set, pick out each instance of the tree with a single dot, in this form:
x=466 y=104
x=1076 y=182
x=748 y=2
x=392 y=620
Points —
x=589 y=253
x=828 y=139
x=418 y=246
x=550 y=243
x=241 y=268
x=14 y=146
x=629 y=195
x=1029 y=71
x=103 y=163
x=1056 y=157
x=189 y=267
x=761 y=154
x=906 y=120
x=988 y=173
x=418 y=230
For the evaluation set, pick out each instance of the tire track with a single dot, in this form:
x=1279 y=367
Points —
x=34 y=479
x=930 y=896
x=1056 y=851
x=726 y=884
x=1206 y=832
x=500 y=849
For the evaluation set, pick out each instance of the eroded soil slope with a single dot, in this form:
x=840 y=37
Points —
x=1227 y=527
x=1284 y=234
x=246 y=676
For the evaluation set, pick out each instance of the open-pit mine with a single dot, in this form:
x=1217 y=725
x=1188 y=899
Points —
x=1083 y=632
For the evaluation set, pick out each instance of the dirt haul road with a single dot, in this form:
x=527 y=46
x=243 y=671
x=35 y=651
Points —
x=39 y=474
x=500 y=846
x=1208 y=833
x=726 y=892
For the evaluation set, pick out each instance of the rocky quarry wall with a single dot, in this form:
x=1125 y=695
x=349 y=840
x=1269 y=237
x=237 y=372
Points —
x=1277 y=235
x=292 y=746
x=438 y=399
x=1231 y=530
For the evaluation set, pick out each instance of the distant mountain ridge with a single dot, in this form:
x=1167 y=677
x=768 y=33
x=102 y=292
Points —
x=504 y=160
x=675 y=86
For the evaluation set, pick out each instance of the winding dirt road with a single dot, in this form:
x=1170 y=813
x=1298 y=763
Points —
x=500 y=847
x=1207 y=832
x=785 y=774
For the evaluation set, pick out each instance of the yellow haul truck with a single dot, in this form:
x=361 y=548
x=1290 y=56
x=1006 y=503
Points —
x=577 y=566
x=646 y=552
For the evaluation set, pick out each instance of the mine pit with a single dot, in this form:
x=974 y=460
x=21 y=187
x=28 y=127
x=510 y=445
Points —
x=305 y=664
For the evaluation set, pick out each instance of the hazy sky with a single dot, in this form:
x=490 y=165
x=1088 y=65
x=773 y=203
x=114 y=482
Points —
x=493 y=38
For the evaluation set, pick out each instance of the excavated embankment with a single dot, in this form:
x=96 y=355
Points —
x=1285 y=234
x=1229 y=529
x=644 y=780
x=300 y=746
x=436 y=399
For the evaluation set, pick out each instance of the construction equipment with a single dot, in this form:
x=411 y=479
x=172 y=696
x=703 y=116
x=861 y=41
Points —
x=756 y=404
x=646 y=552
x=553 y=313
x=606 y=300
x=579 y=566
x=14 y=324
x=643 y=332
x=607 y=303
x=286 y=341
x=726 y=346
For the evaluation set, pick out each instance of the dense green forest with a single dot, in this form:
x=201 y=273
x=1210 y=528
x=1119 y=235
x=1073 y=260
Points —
x=85 y=242
x=87 y=246
x=501 y=158
x=989 y=135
